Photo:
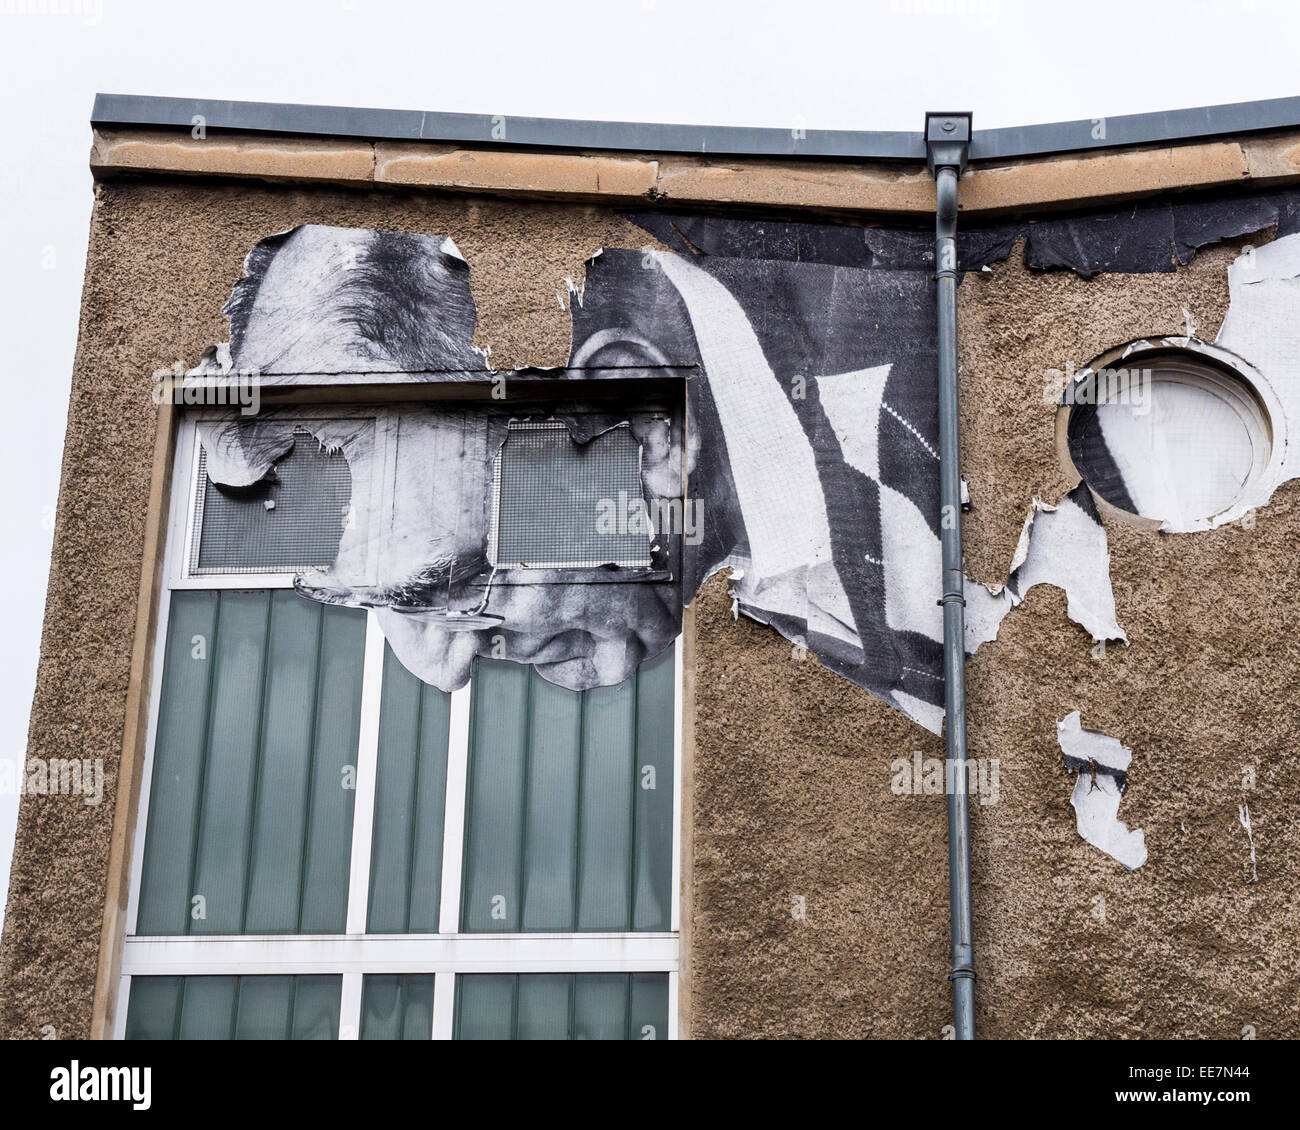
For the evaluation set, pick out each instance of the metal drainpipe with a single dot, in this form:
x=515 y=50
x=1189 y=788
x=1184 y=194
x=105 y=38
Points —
x=947 y=139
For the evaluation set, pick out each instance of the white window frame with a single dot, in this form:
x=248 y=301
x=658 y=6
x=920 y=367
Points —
x=185 y=512
x=494 y=533
x=355 y=953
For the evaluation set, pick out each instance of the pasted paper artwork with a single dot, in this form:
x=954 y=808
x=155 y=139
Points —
x=811 y=449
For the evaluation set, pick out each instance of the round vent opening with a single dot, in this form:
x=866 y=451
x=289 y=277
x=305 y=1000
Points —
x=1174 y=435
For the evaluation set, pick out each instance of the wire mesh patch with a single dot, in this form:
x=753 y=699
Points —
x=291 y=520
x=559 y=504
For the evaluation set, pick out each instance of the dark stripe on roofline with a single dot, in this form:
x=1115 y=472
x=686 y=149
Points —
x=508 y=131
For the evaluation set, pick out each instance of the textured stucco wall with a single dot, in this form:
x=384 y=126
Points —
x=1209 y=684
x=801 y=805
x=792 y=778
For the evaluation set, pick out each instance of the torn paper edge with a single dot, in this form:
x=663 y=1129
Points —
x=1101 y=763
x=1079 y=567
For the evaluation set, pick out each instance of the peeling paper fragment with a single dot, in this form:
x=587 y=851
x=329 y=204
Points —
x=1065 y=546
x=1142 y=238
x=1127 y=240
x=1262 y=326
x=812 y=420
x=1152 y=236
x=244 y=455
x=834 y=244
x=1101 y=765
x=320 y=300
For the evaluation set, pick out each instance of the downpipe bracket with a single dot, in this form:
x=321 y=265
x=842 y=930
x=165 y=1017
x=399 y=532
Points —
x=947 y=139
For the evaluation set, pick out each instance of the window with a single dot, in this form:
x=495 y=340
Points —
x=330 y=847
x=548 y=491
x=234 y=1008
x=291 y=520
x=397 y=1006
x=561 y=1006
x=1174 y=435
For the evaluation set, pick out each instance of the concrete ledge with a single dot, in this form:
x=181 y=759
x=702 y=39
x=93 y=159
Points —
x=264 y=158
x=1050 y=183
x=1273 y=159
x=1096 y=178
x=534 y=173
x=809 y=184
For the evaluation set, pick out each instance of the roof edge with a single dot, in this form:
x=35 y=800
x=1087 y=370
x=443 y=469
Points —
x=511 y=132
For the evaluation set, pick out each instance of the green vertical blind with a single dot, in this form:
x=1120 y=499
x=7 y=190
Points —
x=562 y=1006
x=570 y=803
x=410 y=798
x=397 y=1006
x=251 y=799
x=234 y=1008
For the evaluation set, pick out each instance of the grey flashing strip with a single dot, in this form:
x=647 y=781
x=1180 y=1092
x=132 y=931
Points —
x=502 y=130
x=561 y=133
x=1136 y=129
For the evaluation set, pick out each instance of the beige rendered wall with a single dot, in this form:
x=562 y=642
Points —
x=791 y=777
x=801 y=805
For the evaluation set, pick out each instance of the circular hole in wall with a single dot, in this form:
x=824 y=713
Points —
x=1171 y=435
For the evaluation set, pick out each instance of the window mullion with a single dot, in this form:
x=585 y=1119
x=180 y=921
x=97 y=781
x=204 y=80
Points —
x=350 y=1006
x=453 y=825
x=444 y=1005
x=363 y=812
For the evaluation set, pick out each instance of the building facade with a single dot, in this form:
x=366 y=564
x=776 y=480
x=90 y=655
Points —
x=495 y=587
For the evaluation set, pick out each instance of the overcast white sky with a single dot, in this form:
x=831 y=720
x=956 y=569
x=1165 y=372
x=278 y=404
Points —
x=870 y=64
